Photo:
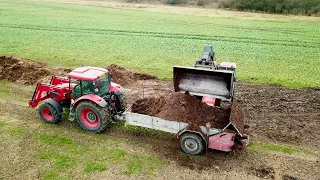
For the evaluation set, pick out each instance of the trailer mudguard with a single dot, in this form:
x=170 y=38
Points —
x=54 y=104
x=91 y=97
x=223 y=141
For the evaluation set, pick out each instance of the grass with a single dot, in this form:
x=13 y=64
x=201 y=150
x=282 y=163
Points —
x=134 y=166
x=16 y=130
x=60 y=160
x=92 y=155
x=64 y=161
x=275 y=51
x=132 y=163
x=93 y=167
x=3 y=123
x=4 y=93
x=4 y=82
x=274 y=147
x=140 y=163
x=115 y=155
x=48 y=175
x=54 y=140
x=4 y=89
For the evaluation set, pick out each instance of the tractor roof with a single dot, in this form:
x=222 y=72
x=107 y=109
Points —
x=87 y=73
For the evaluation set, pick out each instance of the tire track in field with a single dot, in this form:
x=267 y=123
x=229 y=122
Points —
x=299 y=31
x=293 y=31
x=205 y=37
x=249 y=40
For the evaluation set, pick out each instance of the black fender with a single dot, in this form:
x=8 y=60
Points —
x=54 y=104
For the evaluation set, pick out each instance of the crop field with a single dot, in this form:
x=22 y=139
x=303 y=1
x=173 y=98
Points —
x=277 y=67
x=276 y=51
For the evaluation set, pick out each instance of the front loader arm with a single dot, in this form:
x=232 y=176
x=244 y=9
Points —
x=55 y=80
x=45 y=91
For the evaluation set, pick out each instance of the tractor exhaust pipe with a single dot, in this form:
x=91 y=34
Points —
x=204 y=82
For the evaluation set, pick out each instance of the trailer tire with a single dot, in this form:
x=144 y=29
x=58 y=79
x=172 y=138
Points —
x=192 y=143
x=49 y=114
x=91 y=117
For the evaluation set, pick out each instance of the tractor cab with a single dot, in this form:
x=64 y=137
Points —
x=89 y=80
x=229 y=66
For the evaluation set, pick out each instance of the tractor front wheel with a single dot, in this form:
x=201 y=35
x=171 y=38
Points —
x=49 y=114
x=192 y=143
x=92 y=117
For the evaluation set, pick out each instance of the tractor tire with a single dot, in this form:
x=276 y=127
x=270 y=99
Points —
x=49 y=114
x=91 y=117
x=192 y=143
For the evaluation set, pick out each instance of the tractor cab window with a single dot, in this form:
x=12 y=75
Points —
x=98 y=86
x=101 y=85
x=75 y=88
x=87 y=87
x=80 y=88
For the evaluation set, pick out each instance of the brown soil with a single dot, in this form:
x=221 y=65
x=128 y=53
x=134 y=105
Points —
x=281 y=114
x=287 y=177
x=126 y=77
x=237 y=116
x=183 y=108
x=263 y=172
x=20 y=71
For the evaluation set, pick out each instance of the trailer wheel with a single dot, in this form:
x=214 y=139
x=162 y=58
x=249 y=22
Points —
x=191 y=143
x=92 y=117
x=49 y=114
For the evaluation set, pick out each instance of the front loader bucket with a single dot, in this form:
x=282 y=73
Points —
x=204 y=82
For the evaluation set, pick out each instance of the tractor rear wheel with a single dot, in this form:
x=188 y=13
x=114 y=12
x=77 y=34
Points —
x=49 y=114
x=91 y=117
x=192 y=143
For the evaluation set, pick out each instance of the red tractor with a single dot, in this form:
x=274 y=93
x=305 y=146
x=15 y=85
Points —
x=92 y=99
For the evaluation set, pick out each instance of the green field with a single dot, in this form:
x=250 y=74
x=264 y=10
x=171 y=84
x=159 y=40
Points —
x=275 y=51
x=267 y=49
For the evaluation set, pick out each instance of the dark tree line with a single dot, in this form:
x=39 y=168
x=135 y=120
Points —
x=308 y=7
